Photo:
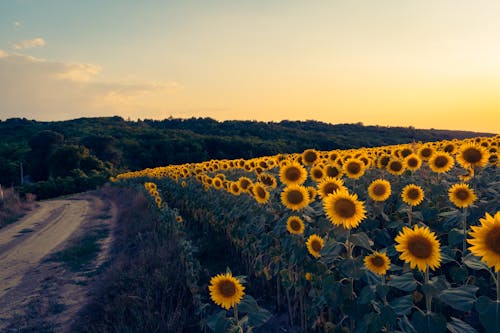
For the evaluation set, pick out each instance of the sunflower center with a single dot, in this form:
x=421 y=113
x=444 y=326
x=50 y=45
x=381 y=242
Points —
x=329 y=188
x=420 y=247
x=405 y=152
x=493 y=240
x=267 y=181
x=244 y=184
x=227 y=288
x=295 y=225
x=261 y=193
x=345 y=208
x=426 y=152
x=318 y=173
x=441 y=161
x=472 y=155
x=396 y=166
x=332 y=172
x=295 y=197
x=316 y=245
x=379 y=189
x=413 y=194
x=354 y=168
x=449 y=148
x=462 y=194
x=310 y=156
x=378 y=261
x=384 y=160
x=292 y=174
x=413 y=162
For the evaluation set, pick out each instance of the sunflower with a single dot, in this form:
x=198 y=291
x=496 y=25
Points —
x=217 y=183
x=395 y=167
x=295 y=197
x=486 y=240
x=379 y=190
x=295 y=225
x=234 y=188
x=378 y=263
x=317 y=173
x=419 y=247
x=268 y=180
x=383 y=160
x=450 y=148
x=412 y=194
x=244 y=183
x=425 y=152
x=260 y=193
x=309 y=156
x=461 y=195
x=471 y=155
x=312 y=193
x=412 y=162
x=343 y=208
x=329 y=186
x=441 y=162
x=293 y=174
x=332 y=170
x=178 y=219
x=354 y=168
x=226 y=290
x=314 y=245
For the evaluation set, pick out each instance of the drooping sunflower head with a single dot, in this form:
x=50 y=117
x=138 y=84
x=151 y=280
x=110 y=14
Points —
x=226 y=290
x=419 y=247
x=412 y=194
x=293 y=174
x=295 y=197
x=485 y=240
x=344 y=209
x=295 y=225
x=441 y=162
x=379 y=190
x=378 y=263
x=309 y=156
x=395 y=167
x=354 y=168
x=314 y=245
x=260 y=193
x=471 y=155
x=329 y=186
x=412 y=162
x=461 y=195
x=317 y=173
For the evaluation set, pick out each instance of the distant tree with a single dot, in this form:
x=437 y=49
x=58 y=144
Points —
x=42 y=145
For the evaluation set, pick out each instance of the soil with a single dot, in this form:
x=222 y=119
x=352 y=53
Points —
x=38 y=293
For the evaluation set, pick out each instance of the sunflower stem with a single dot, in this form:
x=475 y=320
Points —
x=464 y=242
x=410 y=208
x=236 y=313
x=428 y=298
x=348 y=244
x=498 y=286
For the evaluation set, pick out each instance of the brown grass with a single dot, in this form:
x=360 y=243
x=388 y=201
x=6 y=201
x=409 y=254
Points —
x=12 y=207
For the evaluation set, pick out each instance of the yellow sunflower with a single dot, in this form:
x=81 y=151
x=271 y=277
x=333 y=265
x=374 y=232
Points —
x=260 y=193
x=354 y=168
x=412 y=162
x=412 y=194
x=329 y=186
x=314 y=245
x=293 y=174
x=378 y=263
x=471 y=155
x=461 y=195
x=295 y=225
x=226 y=290
x=383 y=160
x=268 y=180
x=395 y=167
x=295 y=197
x=425 y=152
x=178 y=219
x=379 y=190
x=332 y=170
x=317 y=173
x=486 y=240
x=343 y=208
x=419 y=247
x=309 y=156
x=234 y=188
x=441 y=162
x=244 y=183
x=312 y=193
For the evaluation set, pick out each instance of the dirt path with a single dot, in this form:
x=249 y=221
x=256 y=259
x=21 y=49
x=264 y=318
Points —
x=36 y=292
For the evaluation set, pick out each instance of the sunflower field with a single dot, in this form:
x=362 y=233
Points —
x=402 y=238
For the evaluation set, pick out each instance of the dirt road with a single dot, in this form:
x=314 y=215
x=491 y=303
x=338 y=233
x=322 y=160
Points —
x=34 y=291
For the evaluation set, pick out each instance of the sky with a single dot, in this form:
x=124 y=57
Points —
x=426 y=63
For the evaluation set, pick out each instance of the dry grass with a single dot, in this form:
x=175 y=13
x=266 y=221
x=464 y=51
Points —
x=12 y=206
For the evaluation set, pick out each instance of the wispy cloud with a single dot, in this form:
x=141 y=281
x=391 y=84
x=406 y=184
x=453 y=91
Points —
x=29 y=43
x=47 y=90
x=17 y=24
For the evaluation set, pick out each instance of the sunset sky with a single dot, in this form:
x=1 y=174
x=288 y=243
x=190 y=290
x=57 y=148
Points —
x=427 y=63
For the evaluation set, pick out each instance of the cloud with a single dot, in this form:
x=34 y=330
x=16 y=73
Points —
x=29 y=43
x=48 y=90
x=17 y=24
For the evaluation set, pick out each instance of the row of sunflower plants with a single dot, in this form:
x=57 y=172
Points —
x=401 y=237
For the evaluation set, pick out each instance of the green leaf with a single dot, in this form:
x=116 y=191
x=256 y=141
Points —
x=405 y=282
x=351 y=268
x=474 y=262
x=361 y=239
x=366 y=296
x=489 y=314
x=455 y=237
x=461 y=298
x=458 y=326
x=402 y=305
x=428 y=323
x=218 y=322
x=406 y=326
